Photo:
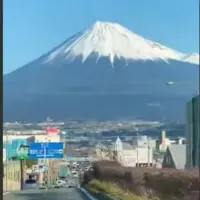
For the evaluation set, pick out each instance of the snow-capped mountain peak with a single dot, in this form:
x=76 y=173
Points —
x=113 y=40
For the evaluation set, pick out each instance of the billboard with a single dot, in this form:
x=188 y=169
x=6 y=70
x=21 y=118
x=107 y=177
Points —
x=52 y=131
x=52 y=150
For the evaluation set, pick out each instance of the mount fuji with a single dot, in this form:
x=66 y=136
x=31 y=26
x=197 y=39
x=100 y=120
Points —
x=103 y=72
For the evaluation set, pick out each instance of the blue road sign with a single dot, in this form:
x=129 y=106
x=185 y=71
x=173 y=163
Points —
x=51 y=150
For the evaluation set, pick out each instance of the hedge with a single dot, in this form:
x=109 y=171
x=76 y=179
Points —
x=166 y=183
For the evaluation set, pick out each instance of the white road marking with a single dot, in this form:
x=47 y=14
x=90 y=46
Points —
x=87 y=194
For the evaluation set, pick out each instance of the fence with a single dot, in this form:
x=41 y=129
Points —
x=11 y=176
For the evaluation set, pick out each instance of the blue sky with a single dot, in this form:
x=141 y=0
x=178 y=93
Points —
x=33 y=27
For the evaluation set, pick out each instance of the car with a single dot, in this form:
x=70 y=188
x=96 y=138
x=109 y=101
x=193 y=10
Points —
x=60 y=182
x=31 y=184
x=57 y=186
x=72 y=183
x=75 y=175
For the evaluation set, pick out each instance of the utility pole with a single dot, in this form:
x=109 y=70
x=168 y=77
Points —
x=49 y=174
x=45 y=161
x=22 y=173
x=148 y=153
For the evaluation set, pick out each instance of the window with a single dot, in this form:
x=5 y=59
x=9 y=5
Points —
x=30 y=181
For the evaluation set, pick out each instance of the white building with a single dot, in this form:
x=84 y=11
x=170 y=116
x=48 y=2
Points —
x=14 y=137
x=128 y=156
x=25 y=132
x=44 y=138
x=144 y=141
x=140 y=140
x=142 y=156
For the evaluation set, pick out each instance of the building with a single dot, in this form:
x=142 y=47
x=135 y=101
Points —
x=180 y=140
x=130 y=156
x=43 y=138
x=9 y=137
x=141 y=140
x=163 y=141
x=175 y=156
x=193 y=133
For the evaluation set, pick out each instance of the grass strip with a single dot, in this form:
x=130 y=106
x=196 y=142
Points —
x=113 y=191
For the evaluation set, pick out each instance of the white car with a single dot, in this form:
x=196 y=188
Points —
x=74 y=174
x=61 y=183
x=72 y=183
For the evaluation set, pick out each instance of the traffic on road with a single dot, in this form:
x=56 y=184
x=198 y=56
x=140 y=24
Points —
x=70 y=174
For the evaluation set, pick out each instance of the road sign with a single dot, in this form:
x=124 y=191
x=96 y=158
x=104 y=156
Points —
x=22 y=152
x=51 y=150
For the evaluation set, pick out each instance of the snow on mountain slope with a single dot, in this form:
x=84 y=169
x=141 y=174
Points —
x=114 y=41
x=192 y=58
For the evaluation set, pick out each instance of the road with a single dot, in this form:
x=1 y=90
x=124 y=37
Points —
x=51 y=194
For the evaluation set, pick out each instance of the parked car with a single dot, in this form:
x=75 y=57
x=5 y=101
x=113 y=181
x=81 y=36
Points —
x=31 y=184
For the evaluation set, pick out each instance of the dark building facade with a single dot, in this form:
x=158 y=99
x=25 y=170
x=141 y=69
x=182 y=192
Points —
x=193 y=133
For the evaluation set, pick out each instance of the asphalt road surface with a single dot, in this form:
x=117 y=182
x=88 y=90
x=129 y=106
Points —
x=51 y=194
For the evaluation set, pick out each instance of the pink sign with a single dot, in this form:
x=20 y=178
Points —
x=52 y=131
